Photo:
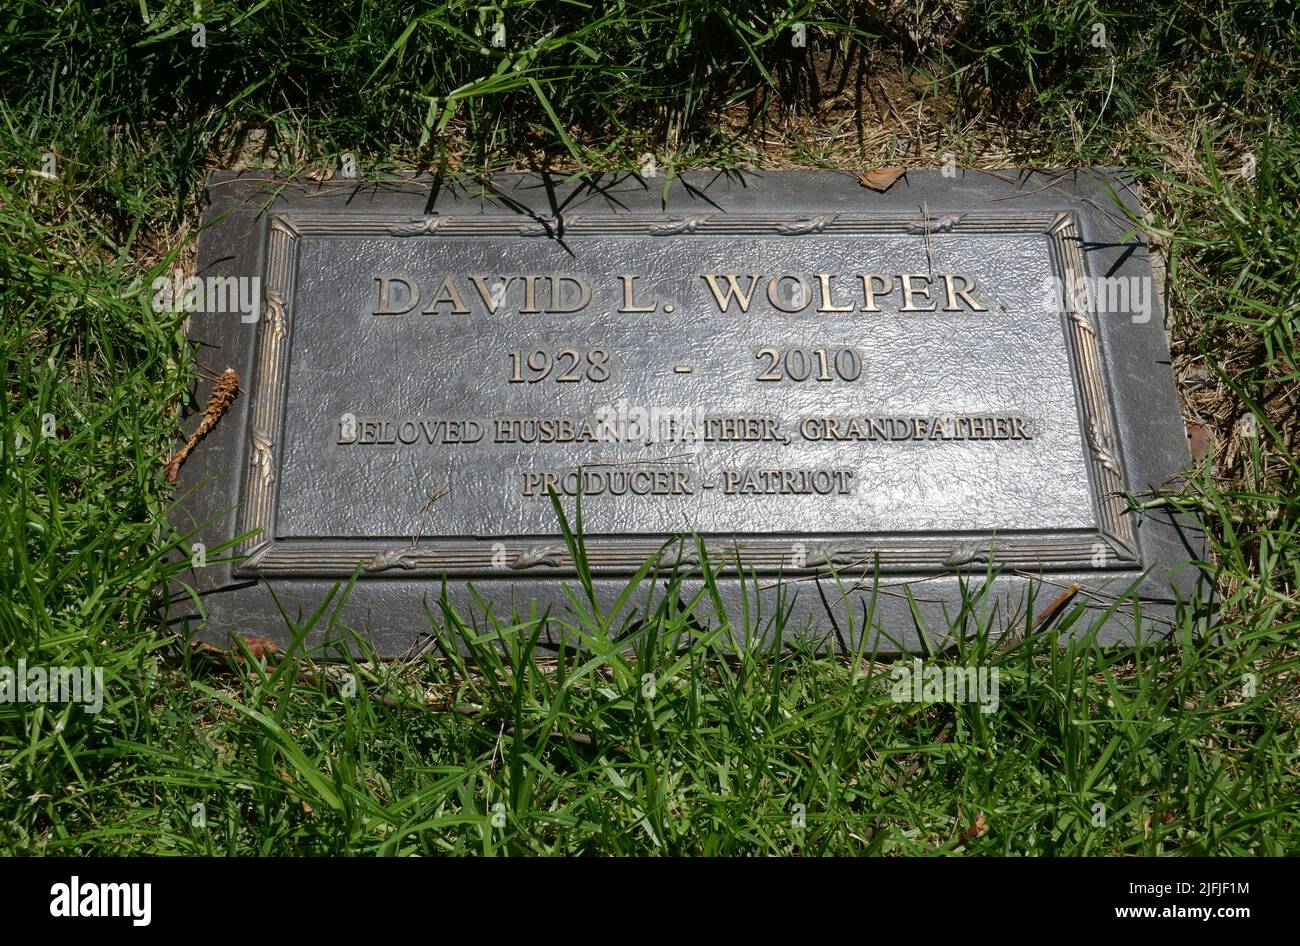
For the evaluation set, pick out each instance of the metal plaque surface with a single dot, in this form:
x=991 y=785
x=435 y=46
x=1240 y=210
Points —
x=865 y=405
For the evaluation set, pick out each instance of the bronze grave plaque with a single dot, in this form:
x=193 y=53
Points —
x=865 y=405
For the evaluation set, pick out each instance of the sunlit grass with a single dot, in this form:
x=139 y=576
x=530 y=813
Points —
x=673 y=739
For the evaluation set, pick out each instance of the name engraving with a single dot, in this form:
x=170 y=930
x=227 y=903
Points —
x=570 y=293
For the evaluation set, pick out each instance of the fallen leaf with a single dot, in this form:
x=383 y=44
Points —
x=260 y=647
x=881 y=179
x=978 y=828
x=1200 y=440
x=223 y=394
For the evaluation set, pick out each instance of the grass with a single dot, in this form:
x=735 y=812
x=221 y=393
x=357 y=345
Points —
x=673 y=741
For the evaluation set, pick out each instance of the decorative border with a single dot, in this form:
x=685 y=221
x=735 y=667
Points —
x=1090 y=384
x=937 y=552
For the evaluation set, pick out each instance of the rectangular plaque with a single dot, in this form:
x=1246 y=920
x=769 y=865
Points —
x=955 y=382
